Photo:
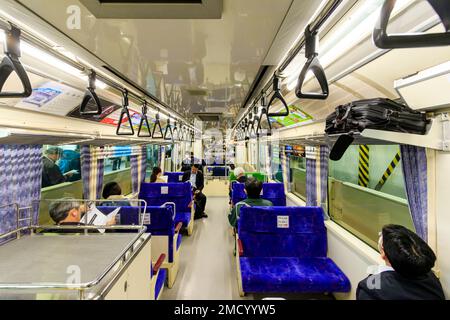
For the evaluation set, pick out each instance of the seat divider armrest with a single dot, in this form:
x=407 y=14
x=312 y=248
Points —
x=158 y=263
x=178 y=227
x=240 y=247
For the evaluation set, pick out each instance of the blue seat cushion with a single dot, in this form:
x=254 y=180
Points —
x=292 y=275
x=184 y=217
x=160 y=282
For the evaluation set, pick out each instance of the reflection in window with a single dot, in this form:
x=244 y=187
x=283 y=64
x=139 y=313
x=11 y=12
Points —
x=297 y=162
x=119 y=160
x=360 y=199
x=277 y=168
x=61 y=164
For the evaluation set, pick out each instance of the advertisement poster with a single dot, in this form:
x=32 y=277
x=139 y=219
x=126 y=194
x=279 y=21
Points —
x=296 y=115
x=52 y=97
x=107 y=109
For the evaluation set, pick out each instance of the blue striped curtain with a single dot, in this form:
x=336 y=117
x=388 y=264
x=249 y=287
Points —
x=92 y=168
x=138 y=169
x=311 y=176
x=20 y=182
x=414 y=163
x=324 y=158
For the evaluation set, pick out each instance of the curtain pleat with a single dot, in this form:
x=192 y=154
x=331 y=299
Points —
x=138 y=169
x=324 y=158
x=92 y=169
x=21 y=178
x=414 y=164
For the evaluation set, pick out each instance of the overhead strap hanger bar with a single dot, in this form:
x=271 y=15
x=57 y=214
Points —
x=123 y=113
x=91 y=95
x=168 y=134
x=277 y=95
x=313 y=64
x=144 y=122
x=11 y=63
x=159 y=134
x=397 y=41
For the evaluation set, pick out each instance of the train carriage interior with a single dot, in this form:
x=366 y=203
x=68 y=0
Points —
x=225 y=150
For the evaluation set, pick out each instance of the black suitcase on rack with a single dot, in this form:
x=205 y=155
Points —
x=379 y=114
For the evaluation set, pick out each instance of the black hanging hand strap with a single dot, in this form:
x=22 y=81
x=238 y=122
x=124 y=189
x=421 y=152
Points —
x=91 y=95
x=125 y=113
x=168 y=134
x=277 y=95
x=314 y=65
x=11 y=63
x=264 y=114
x=159 y=134
x=384 y=41
x=144 y=123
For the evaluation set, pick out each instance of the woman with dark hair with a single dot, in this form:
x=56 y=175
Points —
x=156 y=176
x=113 y=191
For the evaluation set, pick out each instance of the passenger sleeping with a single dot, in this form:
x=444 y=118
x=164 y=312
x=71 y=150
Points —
x=407 y=274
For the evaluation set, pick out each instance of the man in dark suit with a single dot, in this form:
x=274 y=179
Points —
x=197 y=180
x=407 y=274
x=51 y=174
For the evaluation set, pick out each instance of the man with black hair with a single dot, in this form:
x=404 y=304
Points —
x=253 y=189
x=407 y=274
x=197 y=180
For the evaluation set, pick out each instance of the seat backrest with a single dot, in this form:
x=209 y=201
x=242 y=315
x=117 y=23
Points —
x=237 y=192
x=156 y=194
x=158 y=220
x=257 y=175
x=174 y=177
x=283 y=232
x=271 y=191
x=275 y=193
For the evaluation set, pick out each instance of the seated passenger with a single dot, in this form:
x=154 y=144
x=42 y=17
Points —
x=239 y=173
x=69 y=212
x=197 y=180
x=113 y=191
x=407 y=274
x=253 y=189
x=156 y=176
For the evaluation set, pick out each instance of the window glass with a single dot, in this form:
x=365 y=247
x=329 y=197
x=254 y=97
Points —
x=61 y=164
x=277 y=168
x=297 y=163
x=118 y=168
x=360 y=199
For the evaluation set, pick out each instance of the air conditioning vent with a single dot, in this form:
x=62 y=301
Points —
x=209 y=117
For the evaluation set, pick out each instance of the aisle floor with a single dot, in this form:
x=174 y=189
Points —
x=207 y=265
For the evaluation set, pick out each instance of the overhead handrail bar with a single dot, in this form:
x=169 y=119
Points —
x=125 y=112
x=397 y=41
x=312 y=64
x=11 y=63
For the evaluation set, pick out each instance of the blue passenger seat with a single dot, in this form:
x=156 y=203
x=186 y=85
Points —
x=157 y=194
x=284 y=250
x=174 y=177
x=271 y=191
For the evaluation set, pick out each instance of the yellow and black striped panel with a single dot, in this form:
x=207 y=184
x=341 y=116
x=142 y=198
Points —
x=363 y=170
x=390 y=169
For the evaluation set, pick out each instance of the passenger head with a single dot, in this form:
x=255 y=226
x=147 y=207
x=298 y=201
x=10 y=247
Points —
x=111 y=189
x=239 y=171
x=53 y=153
x=195 y=168
x=405 y=251
x=66 y=210
x=155 y=174
x=253 y=188
x=232 y=166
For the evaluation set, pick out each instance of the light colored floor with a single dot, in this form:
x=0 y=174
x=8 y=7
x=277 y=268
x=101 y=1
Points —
x=207 y=269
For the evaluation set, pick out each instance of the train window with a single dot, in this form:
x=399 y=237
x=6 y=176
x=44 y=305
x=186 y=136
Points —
x=61 y=164
x=152 y=156
x=118 y=168
x=297 y=164
x=367 y=191
x=277 y=167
